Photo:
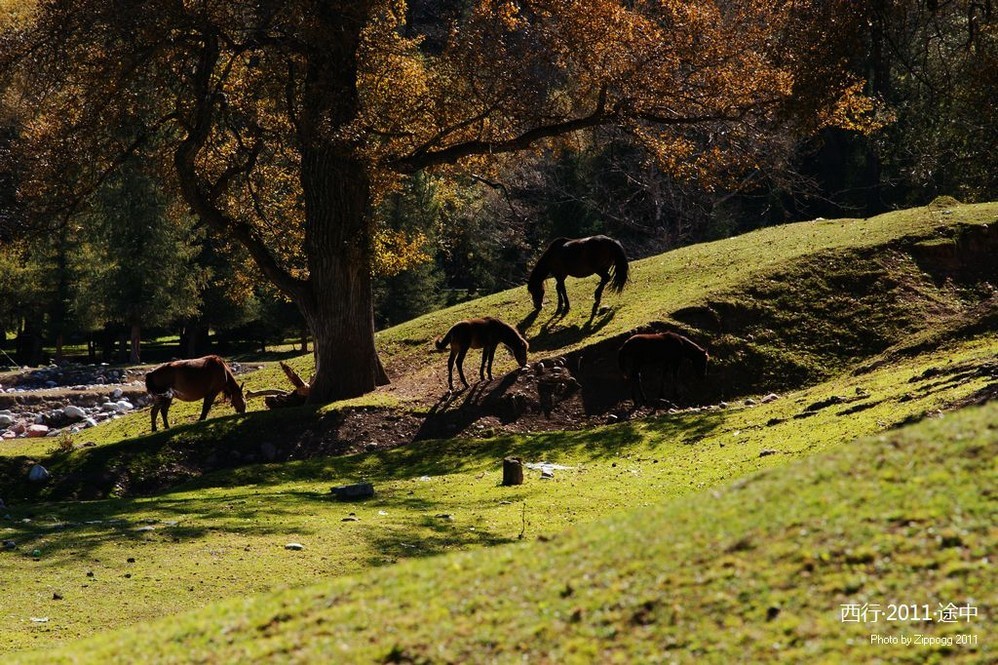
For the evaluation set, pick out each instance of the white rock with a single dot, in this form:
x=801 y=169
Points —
x=294 y=546
x=6 y=419
x=75 y=412
x=123 y=406
x=116 y=393
x=37 y=430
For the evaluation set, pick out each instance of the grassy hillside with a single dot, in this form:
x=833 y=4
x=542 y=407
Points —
x=752 y=571
x=860 y=326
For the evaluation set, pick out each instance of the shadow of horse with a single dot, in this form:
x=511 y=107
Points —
x=551 y=338
x=456 y=411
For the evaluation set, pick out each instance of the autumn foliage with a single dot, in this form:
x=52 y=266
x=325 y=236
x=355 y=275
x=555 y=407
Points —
x=282 y=124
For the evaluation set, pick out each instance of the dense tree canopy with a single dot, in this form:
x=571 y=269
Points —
x=283 y=124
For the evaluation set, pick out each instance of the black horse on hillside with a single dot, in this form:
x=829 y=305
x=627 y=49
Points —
x=595 y=255
x=664 y=351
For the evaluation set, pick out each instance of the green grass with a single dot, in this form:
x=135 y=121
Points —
x=224 y=535
x=738 y=573
x=666 y=536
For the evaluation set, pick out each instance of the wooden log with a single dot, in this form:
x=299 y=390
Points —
x=269 y=392
x=301 y=387
x=512 y=471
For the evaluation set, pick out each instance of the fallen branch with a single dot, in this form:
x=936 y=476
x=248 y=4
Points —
x=276 y=398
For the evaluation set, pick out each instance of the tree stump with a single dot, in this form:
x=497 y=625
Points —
x=512 y=471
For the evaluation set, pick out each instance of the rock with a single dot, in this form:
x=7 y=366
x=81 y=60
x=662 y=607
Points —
x=750 y=402
x=38 y=473
x=123 y=406
x=8 y=435
x=9 y=545
x=6 y=420
x=771 y=397
x=353 y=492
x=294 y=546
x=37 y=430
x=108 y=407
x=768 y=452
x=74 y=412
x=116 y=393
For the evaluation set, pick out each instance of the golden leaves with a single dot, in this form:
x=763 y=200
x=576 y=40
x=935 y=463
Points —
x=395 y=251
x=857 y=111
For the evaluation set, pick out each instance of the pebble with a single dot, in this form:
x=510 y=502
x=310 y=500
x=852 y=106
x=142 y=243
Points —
x=294 y=546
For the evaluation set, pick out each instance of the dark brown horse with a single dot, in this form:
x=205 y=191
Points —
x=486 y=334
x=665 y=351
x=596 y=255
x=189 y=381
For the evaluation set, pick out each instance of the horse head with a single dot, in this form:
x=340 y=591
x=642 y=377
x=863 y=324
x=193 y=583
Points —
x=536 y=290
x=520 y=352
x=701 y=364
x=238 y=402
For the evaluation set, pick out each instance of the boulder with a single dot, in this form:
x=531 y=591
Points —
x=37 y=430
x=74 y=412
x=38 y=473
x=353 y=492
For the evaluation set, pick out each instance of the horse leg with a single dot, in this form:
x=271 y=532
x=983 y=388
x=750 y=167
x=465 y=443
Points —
x=450 y=369
x=492 y=356
x=661 y=385
x=604 y=279
x=562 y=297
x=485 y=357
x=460 y=366
x=155 y=411
x=209 y=399
x=165 y=409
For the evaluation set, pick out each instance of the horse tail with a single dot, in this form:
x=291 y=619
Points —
x=443 y=342
x=620 y=268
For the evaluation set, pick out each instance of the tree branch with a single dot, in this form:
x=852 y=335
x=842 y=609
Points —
x=200 y=198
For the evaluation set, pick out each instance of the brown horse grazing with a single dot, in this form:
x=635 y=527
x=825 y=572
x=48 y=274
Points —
x=599 y=255
x=664 y=350
x=485 y=334
x=189 y=381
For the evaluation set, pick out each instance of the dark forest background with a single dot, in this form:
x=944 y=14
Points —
x=134 y=264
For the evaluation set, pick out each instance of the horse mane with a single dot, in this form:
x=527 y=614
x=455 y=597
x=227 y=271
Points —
x=542 y=268
x=231 y=385
x=692 y=348
x=509 y=335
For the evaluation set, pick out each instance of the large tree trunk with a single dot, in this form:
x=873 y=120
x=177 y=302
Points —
x=339 y=307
